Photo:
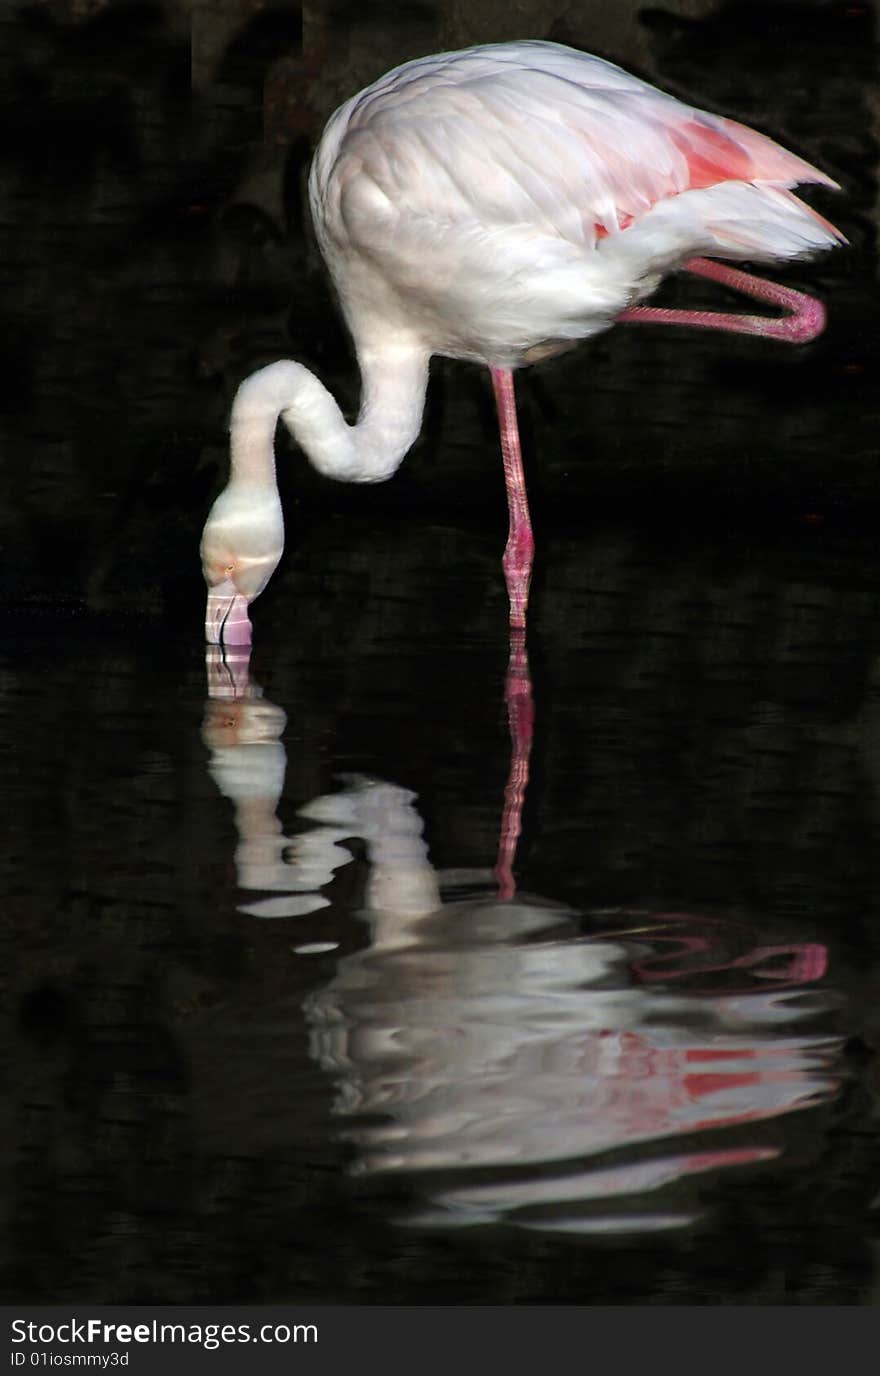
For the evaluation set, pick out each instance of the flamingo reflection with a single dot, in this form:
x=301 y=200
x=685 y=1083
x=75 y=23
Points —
x=509 y=1066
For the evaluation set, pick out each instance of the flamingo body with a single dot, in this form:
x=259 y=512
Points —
x=500 y=204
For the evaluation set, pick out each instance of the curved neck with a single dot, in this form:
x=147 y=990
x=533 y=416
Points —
x=393 y=397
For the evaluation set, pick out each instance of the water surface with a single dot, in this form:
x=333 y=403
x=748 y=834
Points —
x=278 y=1035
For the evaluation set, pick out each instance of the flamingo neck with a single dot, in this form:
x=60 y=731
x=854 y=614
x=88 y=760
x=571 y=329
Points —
x=394 y=381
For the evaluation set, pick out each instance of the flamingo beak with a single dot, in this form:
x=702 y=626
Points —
x=227 y=621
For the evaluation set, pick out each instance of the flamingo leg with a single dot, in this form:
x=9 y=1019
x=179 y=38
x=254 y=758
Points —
x=517 y=561
x=805 y=319
x=521 y=716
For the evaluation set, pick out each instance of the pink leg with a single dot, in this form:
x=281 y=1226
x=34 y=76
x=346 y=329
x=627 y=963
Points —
x=805 y=320
x=517 y=561
x=521 y=715
x=809 y=963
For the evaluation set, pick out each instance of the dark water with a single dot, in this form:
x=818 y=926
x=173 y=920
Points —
x=293 y=1014
x=277 y=1037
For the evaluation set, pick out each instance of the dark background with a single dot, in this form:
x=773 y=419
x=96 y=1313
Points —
x=156 y=247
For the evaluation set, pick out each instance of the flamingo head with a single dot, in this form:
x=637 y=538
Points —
x=242 y=543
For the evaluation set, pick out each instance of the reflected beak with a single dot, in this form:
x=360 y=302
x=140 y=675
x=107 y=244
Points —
x=227 y=621
x=227 y=672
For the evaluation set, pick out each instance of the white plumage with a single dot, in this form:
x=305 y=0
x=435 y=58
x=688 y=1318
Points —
x=498 y=205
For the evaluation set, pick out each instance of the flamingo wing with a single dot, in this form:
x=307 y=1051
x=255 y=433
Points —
x=534 y=134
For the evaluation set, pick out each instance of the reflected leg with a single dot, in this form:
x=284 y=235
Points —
x=521 y=715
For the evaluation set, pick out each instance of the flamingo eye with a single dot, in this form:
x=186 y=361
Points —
x=230 y=568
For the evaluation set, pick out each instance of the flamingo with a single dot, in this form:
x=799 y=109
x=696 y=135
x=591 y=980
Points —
x=499 y=204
